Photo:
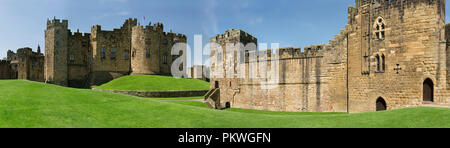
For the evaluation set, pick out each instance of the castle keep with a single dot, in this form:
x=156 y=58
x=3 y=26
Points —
x=82 y=60
x=391 y=54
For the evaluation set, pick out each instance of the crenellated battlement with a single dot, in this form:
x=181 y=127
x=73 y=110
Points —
x=79 y=34
x=176 y=35
x=360 y=3
x=130 y=22
x=158 y=28
x=235 y=33
x=57 y=23
x=5 y=62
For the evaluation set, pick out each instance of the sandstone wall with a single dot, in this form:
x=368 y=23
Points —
x=414 y=39
x=78 y=59
x=5 y=69
x=309 y=81
x=118 y=41
x=56 y=46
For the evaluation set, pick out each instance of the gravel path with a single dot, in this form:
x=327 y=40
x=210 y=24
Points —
x=436 y=105
x=193 y=100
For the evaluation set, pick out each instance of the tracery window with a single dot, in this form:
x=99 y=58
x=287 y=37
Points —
x=380 y=27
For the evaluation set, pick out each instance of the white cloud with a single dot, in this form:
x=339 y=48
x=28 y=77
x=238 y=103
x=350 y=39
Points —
x=106 y=15
x=257 y=20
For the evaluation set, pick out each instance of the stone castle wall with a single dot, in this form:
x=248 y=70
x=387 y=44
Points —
x=386 y=53
x=152 y=45
x=5 y=69
x=414 y=42
x=118 y=42
x=82 y=60
x=78 y=59
x=26 y=64
x=313 y=80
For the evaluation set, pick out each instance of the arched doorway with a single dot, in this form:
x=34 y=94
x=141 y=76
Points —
x=428 y=90
x=381 y=104
x=228 y=105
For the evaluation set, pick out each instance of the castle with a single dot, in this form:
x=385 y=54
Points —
x=391 y=54
x=25 y=64
x=81 y=60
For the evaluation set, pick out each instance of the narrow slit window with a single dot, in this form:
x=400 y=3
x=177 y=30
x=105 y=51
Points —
x=383 y=61
x=378 y=63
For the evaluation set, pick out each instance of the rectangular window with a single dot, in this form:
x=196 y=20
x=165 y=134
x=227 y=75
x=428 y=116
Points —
x=72 y=58
x=113 y=53
x=103 y=53
x=147 y=53
x=126 y=55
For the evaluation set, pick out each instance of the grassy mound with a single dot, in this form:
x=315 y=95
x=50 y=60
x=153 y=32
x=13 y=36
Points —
x=154 y=83
x=31 y=104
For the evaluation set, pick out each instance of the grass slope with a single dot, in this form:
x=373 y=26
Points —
x=154 y=83
x=31 y=104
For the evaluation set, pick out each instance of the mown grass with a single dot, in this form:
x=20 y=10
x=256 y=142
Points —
x=31 y=104
x=154 y=83
x=203 y=105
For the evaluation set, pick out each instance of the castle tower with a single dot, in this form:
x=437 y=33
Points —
x=145 y=51
x=56 y=41
x=39 y=49
x=230 y=36
x=151 y=49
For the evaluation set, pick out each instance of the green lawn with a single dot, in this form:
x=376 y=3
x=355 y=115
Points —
x=32 y=104
x=154 y=83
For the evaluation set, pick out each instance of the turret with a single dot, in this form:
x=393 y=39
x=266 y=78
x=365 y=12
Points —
x=39 y=49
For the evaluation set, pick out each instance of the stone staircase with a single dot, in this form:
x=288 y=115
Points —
x=212 y=99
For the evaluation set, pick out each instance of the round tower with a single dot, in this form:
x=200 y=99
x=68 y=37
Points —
x=144 y=51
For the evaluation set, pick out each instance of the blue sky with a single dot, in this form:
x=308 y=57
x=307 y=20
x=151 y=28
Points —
x=288 y=22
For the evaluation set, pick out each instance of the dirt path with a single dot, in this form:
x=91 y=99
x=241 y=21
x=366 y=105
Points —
x=191 y=100
x=435 y=105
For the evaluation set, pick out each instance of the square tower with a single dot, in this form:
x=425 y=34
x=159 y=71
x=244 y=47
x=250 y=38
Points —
x=56 y=37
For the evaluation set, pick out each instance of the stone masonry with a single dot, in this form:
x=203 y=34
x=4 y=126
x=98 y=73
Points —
x=82 y=60
x=25 y=64
x=392 y=54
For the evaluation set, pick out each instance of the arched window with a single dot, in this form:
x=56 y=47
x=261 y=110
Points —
x=380 y=28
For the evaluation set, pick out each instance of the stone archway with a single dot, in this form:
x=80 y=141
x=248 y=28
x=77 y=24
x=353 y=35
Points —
x=428 y=90
x=381 y=104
